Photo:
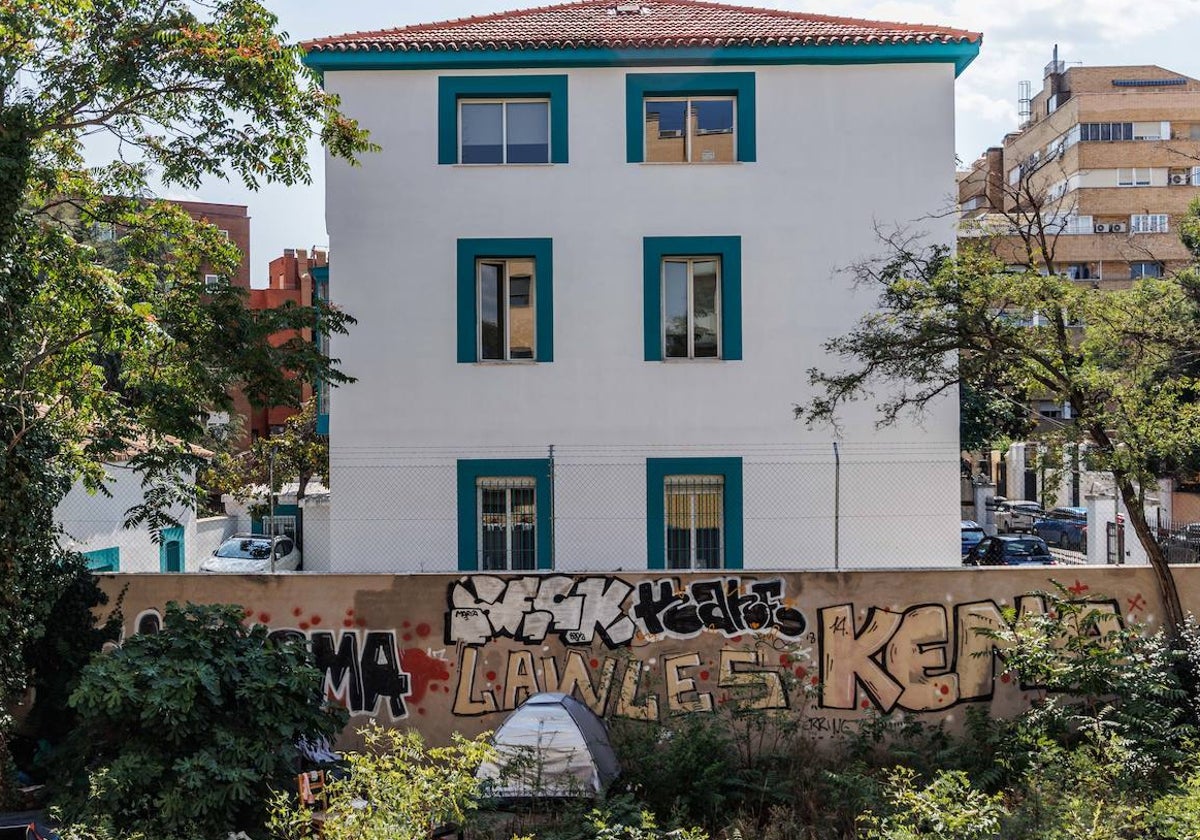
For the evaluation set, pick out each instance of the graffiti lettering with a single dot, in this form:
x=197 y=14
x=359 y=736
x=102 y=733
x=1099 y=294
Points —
x=723 y=605
x=912 y=660
x=359 y=673
x=530 y=609
x=578 y=610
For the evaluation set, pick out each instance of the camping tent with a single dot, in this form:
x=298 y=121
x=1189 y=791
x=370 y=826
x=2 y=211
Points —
x=552 y=745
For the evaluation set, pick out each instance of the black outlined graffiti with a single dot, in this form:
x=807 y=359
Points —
x=577 y=611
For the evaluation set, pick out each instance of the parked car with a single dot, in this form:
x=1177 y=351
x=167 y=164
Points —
x=1065 y=527
x=1015 y=515
x=971 y=534
x=1010 y=550
x=250 y=554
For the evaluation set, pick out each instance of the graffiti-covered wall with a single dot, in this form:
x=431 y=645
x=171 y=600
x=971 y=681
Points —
x=450 y=653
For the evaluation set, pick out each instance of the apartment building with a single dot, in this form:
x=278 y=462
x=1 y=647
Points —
x=1112 y=154
x=293 y=277
x=598 y=250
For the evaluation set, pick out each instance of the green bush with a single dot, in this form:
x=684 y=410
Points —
x=395 y=789
x=185 y=733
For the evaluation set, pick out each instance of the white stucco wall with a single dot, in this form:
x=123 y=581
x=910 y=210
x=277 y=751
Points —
x=95 y=521
x=840 y=149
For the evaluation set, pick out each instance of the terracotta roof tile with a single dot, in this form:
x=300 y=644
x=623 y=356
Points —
x=617 y=24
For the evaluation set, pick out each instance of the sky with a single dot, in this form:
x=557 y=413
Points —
x=1018 y=37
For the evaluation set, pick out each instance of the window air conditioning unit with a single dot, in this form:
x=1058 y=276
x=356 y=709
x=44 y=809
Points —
x=1117 y=227
x=1179 y=180
x=1101 y=228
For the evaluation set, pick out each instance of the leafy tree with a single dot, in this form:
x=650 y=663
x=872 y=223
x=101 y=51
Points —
x=186 y=732
x=1131 y=377
x=300 y=454
x=108 y=343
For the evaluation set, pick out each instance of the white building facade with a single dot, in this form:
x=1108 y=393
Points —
x=590 y=280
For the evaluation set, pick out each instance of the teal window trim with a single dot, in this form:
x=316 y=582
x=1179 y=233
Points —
x=104 y=560
x=166 y=536
x=729 y=249
x=470 y=251
x=657 y=472
x=638 y=86
x=320 y=276
x=469 y=473
x=454 y=89
x=960 y=54
x=256 y=522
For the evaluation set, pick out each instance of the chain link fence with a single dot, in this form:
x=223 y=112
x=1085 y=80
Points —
x=579 y=509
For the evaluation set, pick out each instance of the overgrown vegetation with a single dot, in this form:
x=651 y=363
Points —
x=185 y=733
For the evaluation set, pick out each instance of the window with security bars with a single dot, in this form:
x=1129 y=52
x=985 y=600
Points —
x=507 y=524
x=1148 y=223
x=695 y=522
x=280 y=526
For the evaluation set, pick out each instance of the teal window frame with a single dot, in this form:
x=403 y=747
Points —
x=104 y=560
x=654 y=250
x=470 y=251
x=320 y=290
x=639 y=86
x=454 y=89
x=657 y=472
x=469 y=473
x=166 y=536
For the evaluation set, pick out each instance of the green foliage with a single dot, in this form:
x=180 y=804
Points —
x=184 y=733
x=948 y=323
x=396 y=789
x=948 y=808
x=114 y=350
x=300 y=455
x=685 y=770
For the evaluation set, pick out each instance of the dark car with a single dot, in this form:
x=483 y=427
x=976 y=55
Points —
x=971 y=534
x=1065 y=527
x=1010 y=550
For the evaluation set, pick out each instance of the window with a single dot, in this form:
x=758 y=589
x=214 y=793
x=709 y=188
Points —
x=1133 y=177
x=690 y=130
x=692 y=297
x=223 y=232
x=1105 y=131
x=1148 y=223
x=694 y=527
x=694 y=513
x=516 y=131
x=104 y=231
x=501 y=120
x=506 y=324
x=691 y=308
x=507 y=517
x=1074 y=225
x=690 y=117
x=212 y=281
x=1195 y=179
x=503 y=514
x=1145 y=269
x=505 y=300
x=104 y=559
x=1079 y=271
x=279 y=526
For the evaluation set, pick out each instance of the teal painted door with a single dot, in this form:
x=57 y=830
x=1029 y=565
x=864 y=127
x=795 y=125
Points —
x=170 y=550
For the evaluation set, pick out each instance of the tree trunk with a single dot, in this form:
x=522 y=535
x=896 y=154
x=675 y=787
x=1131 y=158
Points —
x=1135 y=514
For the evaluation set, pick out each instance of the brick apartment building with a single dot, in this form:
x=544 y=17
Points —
x=290 y=278
x=1112 y=154
x=232 y=220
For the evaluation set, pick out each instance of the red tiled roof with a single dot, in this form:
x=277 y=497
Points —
x=616 y=24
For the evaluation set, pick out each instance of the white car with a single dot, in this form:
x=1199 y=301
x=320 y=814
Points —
x=250 y=554
x=1015 y=515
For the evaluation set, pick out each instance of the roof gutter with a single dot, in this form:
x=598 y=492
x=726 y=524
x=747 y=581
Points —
x=961 y=54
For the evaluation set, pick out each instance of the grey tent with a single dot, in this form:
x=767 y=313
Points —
x=552 y=745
